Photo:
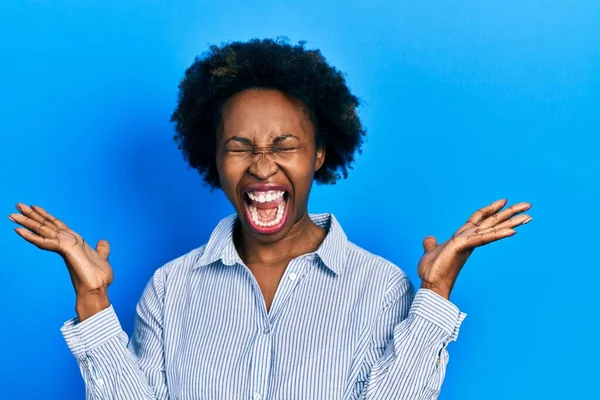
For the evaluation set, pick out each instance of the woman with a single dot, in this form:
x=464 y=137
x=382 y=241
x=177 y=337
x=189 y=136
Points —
x=278 y=304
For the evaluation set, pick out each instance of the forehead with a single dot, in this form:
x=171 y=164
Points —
x=262 y=114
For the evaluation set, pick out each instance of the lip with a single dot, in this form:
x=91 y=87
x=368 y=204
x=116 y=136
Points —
x=264 y=187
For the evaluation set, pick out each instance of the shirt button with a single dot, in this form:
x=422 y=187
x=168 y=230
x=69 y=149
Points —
x=292 y=276
x=256 y=396
x=265 y=331
x=100 y=382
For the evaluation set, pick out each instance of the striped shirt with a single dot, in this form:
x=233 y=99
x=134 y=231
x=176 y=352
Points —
x=344 y=324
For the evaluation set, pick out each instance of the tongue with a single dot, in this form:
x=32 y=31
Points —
x=267 y=214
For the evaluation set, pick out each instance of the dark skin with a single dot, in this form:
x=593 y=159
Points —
x=265 y=137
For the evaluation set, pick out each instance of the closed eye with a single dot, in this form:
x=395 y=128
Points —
x=284 y=148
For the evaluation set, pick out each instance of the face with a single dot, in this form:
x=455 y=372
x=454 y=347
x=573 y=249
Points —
x=266 y=158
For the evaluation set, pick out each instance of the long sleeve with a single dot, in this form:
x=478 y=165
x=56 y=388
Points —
x=113 y=367
x=407 y=353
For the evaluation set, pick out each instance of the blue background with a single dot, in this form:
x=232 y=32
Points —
x=465 y=102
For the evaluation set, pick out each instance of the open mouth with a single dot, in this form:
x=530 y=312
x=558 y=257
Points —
x=266 y=211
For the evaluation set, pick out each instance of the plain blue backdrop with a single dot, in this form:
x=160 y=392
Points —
x=465 y=102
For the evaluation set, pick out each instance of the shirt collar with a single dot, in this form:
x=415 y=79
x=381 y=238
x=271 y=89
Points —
x=332 y=251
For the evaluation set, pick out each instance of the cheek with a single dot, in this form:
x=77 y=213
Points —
x=232 y=165
x=300 y=170
x=230 y=173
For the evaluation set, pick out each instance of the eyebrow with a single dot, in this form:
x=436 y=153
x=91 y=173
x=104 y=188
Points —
x=248 y=142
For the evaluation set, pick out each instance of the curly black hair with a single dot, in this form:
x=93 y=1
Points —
x=225 y=70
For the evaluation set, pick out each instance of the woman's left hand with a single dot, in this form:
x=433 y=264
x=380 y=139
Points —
x=440 y=265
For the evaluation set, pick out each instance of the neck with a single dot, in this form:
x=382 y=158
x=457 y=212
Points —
x=304 y=237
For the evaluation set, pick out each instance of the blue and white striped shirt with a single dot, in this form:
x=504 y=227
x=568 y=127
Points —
x=344 y=324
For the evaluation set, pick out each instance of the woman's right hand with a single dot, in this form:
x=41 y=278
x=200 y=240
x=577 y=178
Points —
x=90 y=271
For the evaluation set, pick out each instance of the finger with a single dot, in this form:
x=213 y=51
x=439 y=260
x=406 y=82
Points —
x=511 y=223
x=504 y=215
x=41 y=242
x=46 y=215
x=429 y=243
x=41 y=228
x=103 y=248
x=29 y=212
x=481 y=214
x=470 y=242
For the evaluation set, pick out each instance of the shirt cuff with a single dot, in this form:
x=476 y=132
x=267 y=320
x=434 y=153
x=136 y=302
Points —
x=439 y=311
x=82 y=337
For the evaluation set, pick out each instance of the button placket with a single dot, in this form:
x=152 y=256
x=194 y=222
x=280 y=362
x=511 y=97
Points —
x=262 y=349
x=289 y=281
x=261 y=361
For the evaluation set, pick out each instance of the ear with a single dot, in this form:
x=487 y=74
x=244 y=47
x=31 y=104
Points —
x=320 y=158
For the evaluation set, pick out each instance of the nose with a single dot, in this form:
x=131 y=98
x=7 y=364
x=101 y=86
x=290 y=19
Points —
x=262 y=166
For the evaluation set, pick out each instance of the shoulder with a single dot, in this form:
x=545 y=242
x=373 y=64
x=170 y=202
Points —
x=363 y=260
x=180 y=266
x=350 y=257
x=376 y=270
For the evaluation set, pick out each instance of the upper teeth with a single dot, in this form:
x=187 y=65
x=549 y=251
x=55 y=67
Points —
x=263 y=197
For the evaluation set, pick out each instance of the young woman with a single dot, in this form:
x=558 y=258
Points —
x=278 y=304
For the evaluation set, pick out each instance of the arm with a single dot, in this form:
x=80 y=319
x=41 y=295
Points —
x=410 y=362
x=406 y=356
x=111 y=367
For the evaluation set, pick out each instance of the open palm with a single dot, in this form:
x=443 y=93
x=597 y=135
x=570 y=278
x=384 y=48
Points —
x=89 y=268
x=440 y=265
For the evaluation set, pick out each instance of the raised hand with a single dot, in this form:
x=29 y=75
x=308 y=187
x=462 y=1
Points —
x=90 y=271
x=440 y=265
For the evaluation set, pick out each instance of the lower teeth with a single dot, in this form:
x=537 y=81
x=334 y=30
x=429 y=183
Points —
x=277 y=220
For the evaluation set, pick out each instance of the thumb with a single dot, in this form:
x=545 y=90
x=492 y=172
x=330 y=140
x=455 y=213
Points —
x=103 y=248
x=429 y=243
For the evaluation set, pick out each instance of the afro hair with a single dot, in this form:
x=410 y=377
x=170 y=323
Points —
x=304 y=74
